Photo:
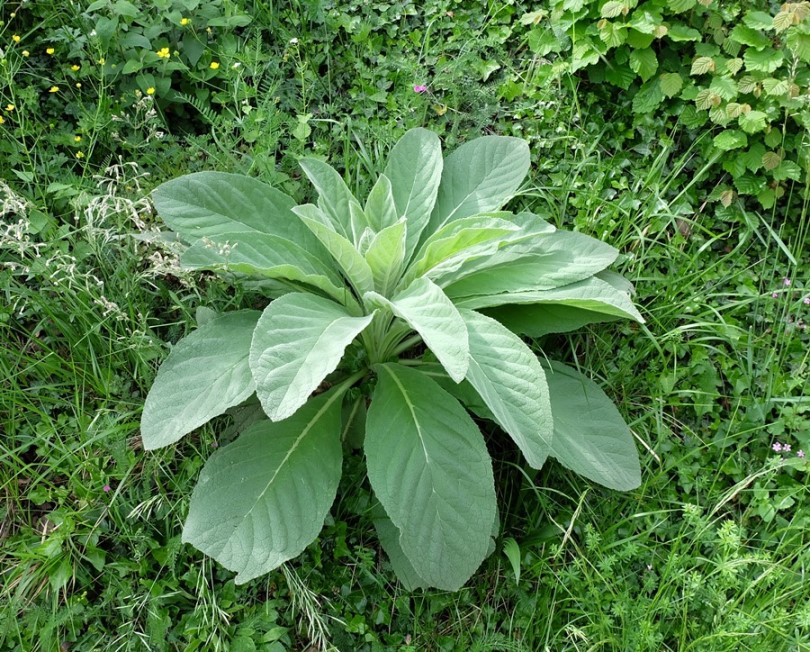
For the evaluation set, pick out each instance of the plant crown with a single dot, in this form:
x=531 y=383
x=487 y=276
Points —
x=389 y=320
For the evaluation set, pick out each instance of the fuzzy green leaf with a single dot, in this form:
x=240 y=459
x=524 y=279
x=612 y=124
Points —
x=299 y=341
x=334 y=197
x=206 y=373
x=415 y=170
x=671 y=83
x=429 y=467
x=386 y=256
x=345 y=254
x=644 y=62
x=208 y=204
x=590 y=436
x=511 y=382
x=262 y=499
x=426 y=309
x=381 y=209
x=479 y=177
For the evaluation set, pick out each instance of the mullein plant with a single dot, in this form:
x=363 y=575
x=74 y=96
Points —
x=390 y=322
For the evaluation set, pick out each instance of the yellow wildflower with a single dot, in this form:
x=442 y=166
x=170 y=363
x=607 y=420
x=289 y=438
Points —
x=77 y=139
x=184 y=21
x=209 y=30
x=9 y=107
x=102 y=61
x=79 y=154
x=16 y=38
x=26 y=53
x=163 y=53
x=78 y=85
x=75 y=68
x=50 y=51
x=150 y=90
x=53 y=89
x=214 y=65
x=2 y=120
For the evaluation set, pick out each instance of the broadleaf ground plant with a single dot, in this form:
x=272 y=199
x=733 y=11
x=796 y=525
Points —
x=402 y=313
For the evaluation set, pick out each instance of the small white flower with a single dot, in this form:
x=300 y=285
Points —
x=293 y=41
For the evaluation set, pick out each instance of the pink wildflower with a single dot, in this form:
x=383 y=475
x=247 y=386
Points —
x=800 y=453
x=806 y=301
x=777 y=447
x=786 y=448
x=420 y=88
x=774 y=295
x=107 y=488
x=786 y=281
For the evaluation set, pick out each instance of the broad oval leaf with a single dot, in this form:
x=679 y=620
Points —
x=386 y=256
x=299 y=340
x=264 y=256
x=206 y=373
x=381 y=209
x=446 y=249
x=430 y=313
x=590 y=436
x=262 y=499
x=415 y=170
x=388 y=535
x=429 y=467
x=592 y=294
x=510 y=380
x=207 y=204
x=334 y=196
x=556 y=259
x=480 y=176
x=348 y=258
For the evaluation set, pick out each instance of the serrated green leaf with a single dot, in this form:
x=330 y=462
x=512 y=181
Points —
x=734 y=65
x=612 y=35
x=679 y=33
x=758 y=20
x=334 y=197
x=706 y=99
x=299 y=340
x=767 y=60
x=380 y=208
x=613 y=8
x=639 y=40
x=557 y=259
x=644 y=62
x=583 y=54
x=429 y=467
x=262 y=499
x=207 y=204
x=767 y=198
x=386 y=256
x=426 y=309
x=702 y=65
x=749 y=184
x=671 y=83
x=734 y=166
x=748 y=36
x=415 y=170
x=725 y=87
x=348 y=258
x=776 y=87
x=787 y=170
x=648 y=97
x=206 y=373
x=799 y=42
x=479 y=177
x=753 y=157
x=619 y=74
x=730 y=139
x=691 y=119
x=771 y=160
x=680 y=6
x=590 y=436
x=510 y=380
